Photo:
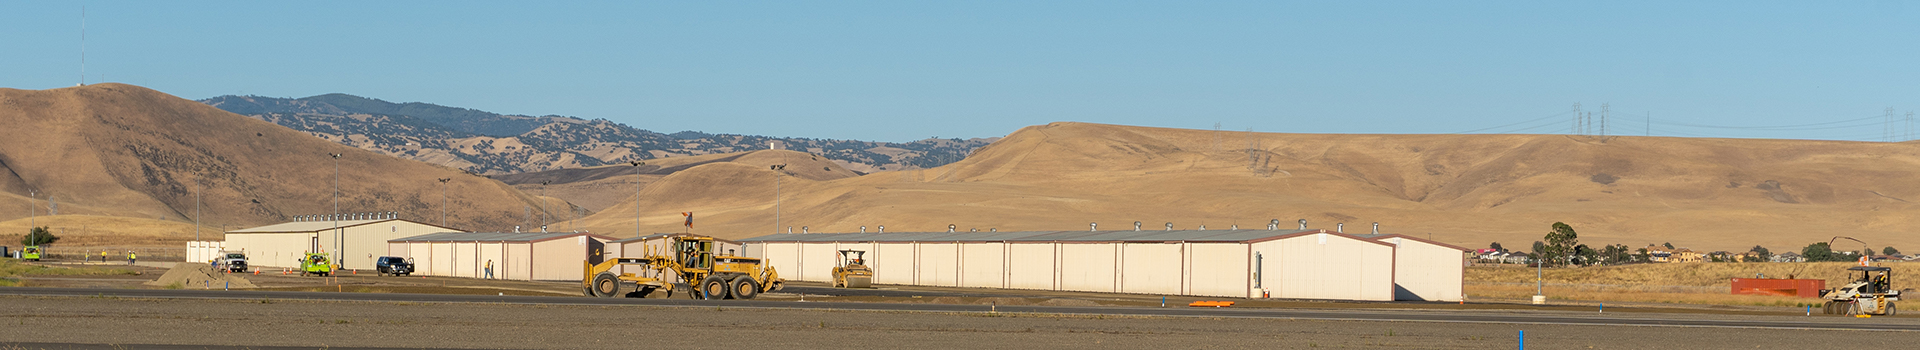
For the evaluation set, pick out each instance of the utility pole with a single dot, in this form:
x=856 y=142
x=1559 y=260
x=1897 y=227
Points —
x=33 y=210
x=1576 y=119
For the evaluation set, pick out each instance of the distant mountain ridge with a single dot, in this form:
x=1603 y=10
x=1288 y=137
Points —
x=492 y=143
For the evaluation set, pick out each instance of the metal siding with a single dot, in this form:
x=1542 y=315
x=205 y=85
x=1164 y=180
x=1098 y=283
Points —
x=1150 y=268
x=282 y=250
x=440 y=259
x=816 y=262
x=520 y=260
x=1218 y=269
x=984 y=265
x=495 y=252
x=466 y=259
x=558 y=260
x=1032 y=266
x=1087 y=267
x=421 y=252
x=892 y=263
x=1342 y=268
x=1424 y=271
x=939 y=264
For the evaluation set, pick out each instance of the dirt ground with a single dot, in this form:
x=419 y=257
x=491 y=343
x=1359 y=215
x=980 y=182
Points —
x=469 y=325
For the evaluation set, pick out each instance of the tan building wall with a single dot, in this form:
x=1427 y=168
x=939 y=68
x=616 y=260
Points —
x=1327 y=266
x=1425 y=270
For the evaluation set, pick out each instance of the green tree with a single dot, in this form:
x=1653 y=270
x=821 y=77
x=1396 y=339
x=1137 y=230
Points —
x=1890 y=251
x=1764 y=255
x=1561 y=243
x=1642 y=255
x=39 y=236
x=1669 y=245
x=1496 y=246
x=1819 y=251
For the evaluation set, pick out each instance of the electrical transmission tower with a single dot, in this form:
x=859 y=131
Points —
x=1576 y=118
x=1604 y=109
x=1887 y=133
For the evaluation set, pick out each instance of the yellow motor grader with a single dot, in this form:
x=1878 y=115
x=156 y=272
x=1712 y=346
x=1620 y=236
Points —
x=690 y=260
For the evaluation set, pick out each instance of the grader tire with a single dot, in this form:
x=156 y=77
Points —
x=1890 y=311
x=715 y=288
x=745 y=288
x=606 y=285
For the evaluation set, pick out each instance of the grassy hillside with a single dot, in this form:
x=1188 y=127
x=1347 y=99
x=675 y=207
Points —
x=116 y=150
x=1469 y=190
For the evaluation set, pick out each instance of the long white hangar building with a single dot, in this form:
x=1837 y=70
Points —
x=1271 y=263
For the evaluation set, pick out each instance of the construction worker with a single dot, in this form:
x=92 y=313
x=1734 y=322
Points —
x=131 y=257
x=489 y=268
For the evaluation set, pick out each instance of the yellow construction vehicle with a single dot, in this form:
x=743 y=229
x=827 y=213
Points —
x=688 y=259
x=851 y=270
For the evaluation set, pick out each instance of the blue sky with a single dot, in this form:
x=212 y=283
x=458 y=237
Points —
x=899 y=71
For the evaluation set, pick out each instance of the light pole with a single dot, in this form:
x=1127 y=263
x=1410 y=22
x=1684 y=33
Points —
x=543 y=205
x=33 y=212
x=443 y=201
x=636 y=197
x=336 y=208
x=196 y=210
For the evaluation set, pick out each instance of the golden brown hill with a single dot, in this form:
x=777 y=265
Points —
x=127 y=151
x=596 y=188
x=1707 y=194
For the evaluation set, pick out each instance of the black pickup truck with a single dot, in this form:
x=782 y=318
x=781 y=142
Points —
x=393 y=265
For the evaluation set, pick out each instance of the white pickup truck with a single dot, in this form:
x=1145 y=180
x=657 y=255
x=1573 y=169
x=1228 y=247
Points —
x=232 y=261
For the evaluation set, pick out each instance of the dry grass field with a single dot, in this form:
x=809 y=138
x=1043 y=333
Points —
x=1678 y=283
x=1708 y=194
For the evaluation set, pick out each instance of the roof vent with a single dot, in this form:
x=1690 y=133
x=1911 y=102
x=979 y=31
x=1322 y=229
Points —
x=883 y=228
x=1273 y=225
x=993 y=230
x=1376 y=228
x=803 y=229
x=1303 y=224
x=951 y=228
x=1169 y=226
x=1234 y=227
x=516 y=228
x=1203 y=227
x=863 y=229
x=789 y=229
x=976 y=229
x=1340 y=227
x=1136 y=225
x=1093 y=226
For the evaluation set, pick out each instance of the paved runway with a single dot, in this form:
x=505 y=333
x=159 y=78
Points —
x=1477 y=316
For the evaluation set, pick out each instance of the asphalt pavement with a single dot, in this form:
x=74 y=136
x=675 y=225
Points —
x=1477 y=316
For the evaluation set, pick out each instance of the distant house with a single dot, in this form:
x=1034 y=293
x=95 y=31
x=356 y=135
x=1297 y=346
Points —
x=1789 y=257
x=1684 y=255
x=1749 y=256
x=1656 y=253
x=1888 y=258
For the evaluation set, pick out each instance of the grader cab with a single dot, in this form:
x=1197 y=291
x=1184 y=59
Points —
x=687 y=264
